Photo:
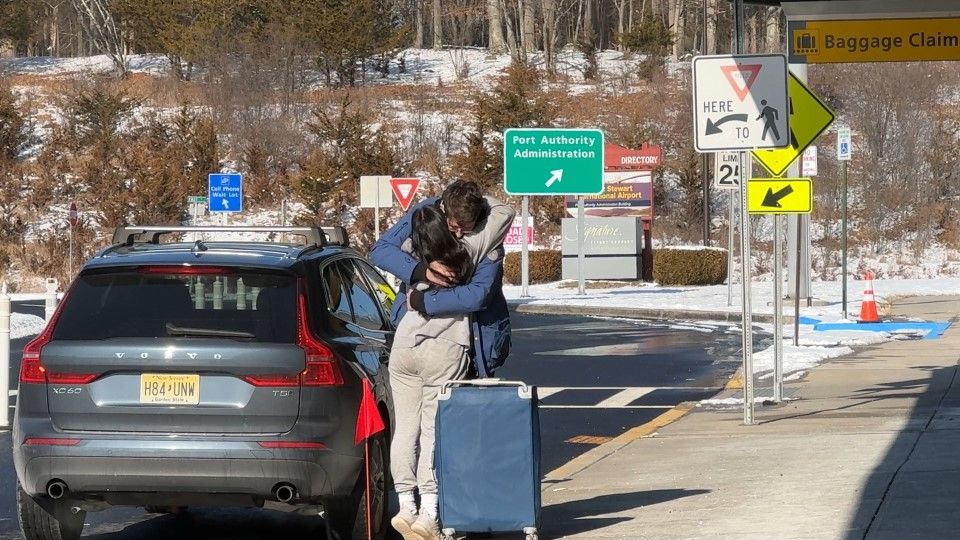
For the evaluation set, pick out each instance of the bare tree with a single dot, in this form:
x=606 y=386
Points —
x=773 y=29
x=418 y=24
x=550 y=34
x=437 y=26
x=677 y=23
x=102 y=30
x=588 y=28
x=497 y=43
x=528 y=25
x=516 y=51
x=711 y=27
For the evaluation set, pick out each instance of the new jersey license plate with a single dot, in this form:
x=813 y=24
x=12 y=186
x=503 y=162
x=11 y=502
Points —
x=169 y=389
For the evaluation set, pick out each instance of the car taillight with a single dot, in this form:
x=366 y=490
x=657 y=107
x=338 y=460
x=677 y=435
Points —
x=186 y=270
x=54 y=377
x=322 y=368
x=273 y=380
x=31 y=367
x=31 y=370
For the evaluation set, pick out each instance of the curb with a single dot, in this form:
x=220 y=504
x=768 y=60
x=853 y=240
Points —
x=646 y=313
x=591 y=457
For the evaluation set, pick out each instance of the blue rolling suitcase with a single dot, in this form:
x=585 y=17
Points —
x=487 y=457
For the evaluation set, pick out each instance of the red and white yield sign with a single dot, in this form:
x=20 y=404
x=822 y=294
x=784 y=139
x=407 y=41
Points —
x=72 y=215
x=404 y=189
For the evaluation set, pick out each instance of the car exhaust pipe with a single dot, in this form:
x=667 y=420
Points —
x=56 y=489
x=284 y=493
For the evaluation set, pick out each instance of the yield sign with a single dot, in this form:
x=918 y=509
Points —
x=404 y=190
x=809 y=117
x=741 y=77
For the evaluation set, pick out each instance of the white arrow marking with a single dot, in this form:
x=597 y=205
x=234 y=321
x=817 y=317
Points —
x=555 y=176
x=226 y=203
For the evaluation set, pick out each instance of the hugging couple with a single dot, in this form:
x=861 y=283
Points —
x=452 y=325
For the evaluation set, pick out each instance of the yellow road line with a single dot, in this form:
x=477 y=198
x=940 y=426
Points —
x=587 y=459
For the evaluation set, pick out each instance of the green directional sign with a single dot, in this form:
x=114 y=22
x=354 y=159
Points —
x=553 y=161
x=196 y=200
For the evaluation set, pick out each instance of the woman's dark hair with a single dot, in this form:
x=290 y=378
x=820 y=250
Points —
x=433 y=241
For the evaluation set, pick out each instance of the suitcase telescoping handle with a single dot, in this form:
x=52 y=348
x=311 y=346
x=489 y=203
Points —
x=523 y=389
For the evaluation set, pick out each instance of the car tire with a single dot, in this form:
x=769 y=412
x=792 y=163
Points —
x=348 y=515
x=47 y=519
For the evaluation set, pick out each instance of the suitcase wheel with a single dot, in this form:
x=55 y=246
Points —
x=531 y=533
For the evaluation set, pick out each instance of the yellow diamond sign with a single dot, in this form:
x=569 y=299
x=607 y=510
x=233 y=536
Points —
x=780 y=196
x=809 y=117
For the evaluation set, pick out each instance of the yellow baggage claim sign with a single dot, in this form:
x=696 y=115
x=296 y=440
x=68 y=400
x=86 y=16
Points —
x=876 y=40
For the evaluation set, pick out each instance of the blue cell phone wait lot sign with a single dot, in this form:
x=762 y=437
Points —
x=225 y=193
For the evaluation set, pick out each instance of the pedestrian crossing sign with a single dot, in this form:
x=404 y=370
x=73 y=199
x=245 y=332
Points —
x=809 y=117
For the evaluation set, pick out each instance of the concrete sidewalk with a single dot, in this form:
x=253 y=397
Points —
x=870 y=450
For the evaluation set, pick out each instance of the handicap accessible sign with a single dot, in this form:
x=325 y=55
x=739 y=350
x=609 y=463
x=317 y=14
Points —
x=225 y=193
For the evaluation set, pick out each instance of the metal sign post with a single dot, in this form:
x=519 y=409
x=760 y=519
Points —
x=727 y=175
x=748 y=390
x=748 y=404
x=796 y=292
x=844 y=151
x=843 y=233
x=581 y=257
x=777 y=311
x=733 y=199
x=376 y=218
x=525 y=248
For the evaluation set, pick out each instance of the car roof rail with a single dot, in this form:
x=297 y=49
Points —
x=313 y=236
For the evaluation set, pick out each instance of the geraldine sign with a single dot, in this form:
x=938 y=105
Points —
x=875 y=40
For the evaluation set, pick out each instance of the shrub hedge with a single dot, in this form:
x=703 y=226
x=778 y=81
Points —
x=677 y=266
x=544 y=266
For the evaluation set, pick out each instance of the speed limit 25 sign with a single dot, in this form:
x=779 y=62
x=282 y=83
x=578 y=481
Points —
x=727 y=169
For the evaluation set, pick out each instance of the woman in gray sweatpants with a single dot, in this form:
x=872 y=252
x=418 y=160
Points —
x=427 y=352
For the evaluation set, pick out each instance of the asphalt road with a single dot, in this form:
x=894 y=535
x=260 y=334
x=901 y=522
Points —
x=596 y=379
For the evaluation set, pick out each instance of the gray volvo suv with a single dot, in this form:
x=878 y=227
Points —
x=207 y=373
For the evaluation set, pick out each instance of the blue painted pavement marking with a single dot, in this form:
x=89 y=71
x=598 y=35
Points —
x=934 y=329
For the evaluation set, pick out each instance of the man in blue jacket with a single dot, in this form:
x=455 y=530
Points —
x=482 y=297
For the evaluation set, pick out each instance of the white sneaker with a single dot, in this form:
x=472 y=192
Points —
x=403 y=522
x=426 y=528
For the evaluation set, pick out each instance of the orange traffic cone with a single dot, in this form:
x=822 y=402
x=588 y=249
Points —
x=868 y=309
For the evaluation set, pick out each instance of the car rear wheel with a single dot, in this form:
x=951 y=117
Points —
x=47 y=520
x=348 y=515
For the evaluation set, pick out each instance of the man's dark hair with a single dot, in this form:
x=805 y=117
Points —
x=433 y=241
x=463 y=201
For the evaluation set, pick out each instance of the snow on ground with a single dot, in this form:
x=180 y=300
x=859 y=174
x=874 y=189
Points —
x=25 y=325
x=155 y=64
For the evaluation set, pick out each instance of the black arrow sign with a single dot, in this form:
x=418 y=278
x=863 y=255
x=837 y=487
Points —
x=714 y=127
x=772 y=199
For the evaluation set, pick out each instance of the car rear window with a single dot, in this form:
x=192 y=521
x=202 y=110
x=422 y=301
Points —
x=243 y=305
